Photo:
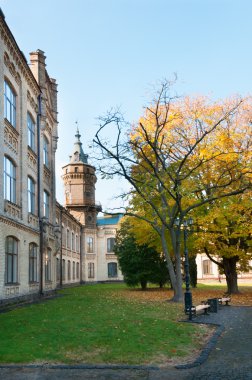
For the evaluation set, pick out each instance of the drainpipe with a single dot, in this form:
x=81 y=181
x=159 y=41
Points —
x=61 y=261
x=41 y=240
x=81 y=254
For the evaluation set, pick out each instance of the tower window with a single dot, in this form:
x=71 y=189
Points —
x=76 y=170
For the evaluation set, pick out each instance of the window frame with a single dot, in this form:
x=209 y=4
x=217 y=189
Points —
x=90 y=244
x=10 y=180
x=110 y=244
x=33 y=263
x=10 y=104
x=69 y=270
x=45 y=151
x=31 y=132
x=31 y=191
x=112 y=270
x=91 y=270
x=11 y=259
x=48 y=265
x=46 y=204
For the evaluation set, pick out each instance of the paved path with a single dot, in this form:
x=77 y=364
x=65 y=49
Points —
x=229 y=359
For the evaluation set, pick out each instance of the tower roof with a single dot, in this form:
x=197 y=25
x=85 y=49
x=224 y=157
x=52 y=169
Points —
x=78 y=154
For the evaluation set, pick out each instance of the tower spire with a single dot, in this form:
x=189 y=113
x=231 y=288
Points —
x=78 y=154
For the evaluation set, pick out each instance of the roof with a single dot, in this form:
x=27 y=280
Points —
x=78 y=154
x=109 y=220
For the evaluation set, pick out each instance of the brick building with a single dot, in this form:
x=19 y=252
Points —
x=42 y=244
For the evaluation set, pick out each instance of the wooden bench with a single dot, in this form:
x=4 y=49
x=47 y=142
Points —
x=224 y=300
x=195 y=309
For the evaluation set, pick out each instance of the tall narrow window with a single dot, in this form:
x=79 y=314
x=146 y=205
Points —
x=110 y=244
x=77 y=270
x=90 y=245
x=48 y=264
x=68 y=239
x=91 y=272
x=69 y=270
x=9 y=180
x=33 y=263
x=73 y=270
x=31 y=132
x=9 y=104
x=207 y=267
x=31 y=195
x=11 y=252
x=63 y=270
x=112 y=269
x=57 y=269
x=46 y=204
x=73 y=242
x=77 y=243
x=46 y=152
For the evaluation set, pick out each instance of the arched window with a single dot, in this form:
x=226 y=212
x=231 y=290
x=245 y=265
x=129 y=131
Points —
x=46 y=152
x=110 y=244
x=9 y=104
x=112 y=269
x=9 y=180
x=46 y=204
x=11 y=253
x=31 y=132
x=31 y=195
x=33 y=262
x=48 y=265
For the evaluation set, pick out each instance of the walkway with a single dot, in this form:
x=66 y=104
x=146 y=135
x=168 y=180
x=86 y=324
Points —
x=229 y=359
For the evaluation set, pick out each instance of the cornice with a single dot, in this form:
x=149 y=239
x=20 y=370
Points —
x=17 y=55
x=20 y=226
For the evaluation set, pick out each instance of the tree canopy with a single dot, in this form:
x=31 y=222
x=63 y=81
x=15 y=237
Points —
x=182 y=154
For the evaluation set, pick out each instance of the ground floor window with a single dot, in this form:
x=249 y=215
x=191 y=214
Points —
x=48 y=265
x=63 y=269
x=73 y=270
x=112 y=269
x=69 y=270
x=11 y=252
x=91 y=272
x=77 y=270
x=207 y=267
x=58 y=269
x=33 y=262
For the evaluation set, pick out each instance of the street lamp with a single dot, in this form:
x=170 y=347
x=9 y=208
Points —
x=185 y=226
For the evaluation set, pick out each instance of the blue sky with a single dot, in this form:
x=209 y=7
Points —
x=106 y=53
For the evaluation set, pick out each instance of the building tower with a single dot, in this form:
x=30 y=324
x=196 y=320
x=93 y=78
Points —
x=79 y=183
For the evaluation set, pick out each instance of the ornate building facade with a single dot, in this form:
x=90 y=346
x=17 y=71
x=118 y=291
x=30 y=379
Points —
x=43 y=245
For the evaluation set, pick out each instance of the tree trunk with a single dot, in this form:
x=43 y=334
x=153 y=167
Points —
x=143 y=284
x=175 y=277
x=229 y=265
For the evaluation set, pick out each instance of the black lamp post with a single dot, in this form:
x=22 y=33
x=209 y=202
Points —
x=185 y=226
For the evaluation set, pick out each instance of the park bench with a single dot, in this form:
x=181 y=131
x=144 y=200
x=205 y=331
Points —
x=224 y=300
x=195 y=309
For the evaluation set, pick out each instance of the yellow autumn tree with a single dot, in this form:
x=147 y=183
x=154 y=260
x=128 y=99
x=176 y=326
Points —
x=182 y=154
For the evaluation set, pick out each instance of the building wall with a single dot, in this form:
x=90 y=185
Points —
x=27 y=84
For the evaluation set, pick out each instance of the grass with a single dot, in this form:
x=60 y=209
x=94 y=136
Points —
x=104 y=323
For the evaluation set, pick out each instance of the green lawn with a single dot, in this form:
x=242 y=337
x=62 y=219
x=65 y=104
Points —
x=97 y=324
